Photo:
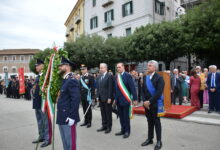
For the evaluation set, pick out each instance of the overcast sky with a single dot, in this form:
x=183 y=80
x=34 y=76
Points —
x=33 y=23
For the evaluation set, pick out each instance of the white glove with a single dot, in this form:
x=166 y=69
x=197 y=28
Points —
x=70 y=121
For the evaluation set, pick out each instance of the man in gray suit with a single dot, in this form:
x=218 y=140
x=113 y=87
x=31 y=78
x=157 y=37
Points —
x=176 y=90
x=105 y=97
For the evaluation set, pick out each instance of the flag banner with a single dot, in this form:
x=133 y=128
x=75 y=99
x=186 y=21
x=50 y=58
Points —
x=21 y=81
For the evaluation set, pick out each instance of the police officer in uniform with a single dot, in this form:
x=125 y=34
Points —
x=68 y=105
x=87 y=93
x=42 y=120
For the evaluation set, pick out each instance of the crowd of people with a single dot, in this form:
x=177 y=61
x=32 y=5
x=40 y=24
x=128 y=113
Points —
x=11 y=90
x=116 y=93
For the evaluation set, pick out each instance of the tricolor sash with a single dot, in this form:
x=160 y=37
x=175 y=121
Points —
x=89 y=95
x=125 y=93
x=152 y=90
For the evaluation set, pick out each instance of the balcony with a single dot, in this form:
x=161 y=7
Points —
x=189 y=3
x=108 y=25
x=106 y=3
x=67 y=34
x=77 y=19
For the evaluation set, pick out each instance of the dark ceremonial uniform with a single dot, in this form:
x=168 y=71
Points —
x=68 y=109
x=89 y=81
x=42 y=120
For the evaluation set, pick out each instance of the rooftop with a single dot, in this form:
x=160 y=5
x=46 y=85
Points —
x=19 y=51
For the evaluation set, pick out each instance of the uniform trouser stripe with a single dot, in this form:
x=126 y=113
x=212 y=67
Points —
x=73 y=134
x=68 y=136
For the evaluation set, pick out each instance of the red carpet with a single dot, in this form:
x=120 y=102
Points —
x=176 y=111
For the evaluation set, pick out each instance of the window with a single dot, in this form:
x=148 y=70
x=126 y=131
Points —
x=109 y=35
x=13 y=57
x=93 y=3
x=128 y=31
x=159 y=7
x=94 y=22
x=5 y=69
x=14 y=69
x=127 y=9
x=30 y=57
x=5 y=58
x=22 y=57
x=109 y=15
x=160 y=67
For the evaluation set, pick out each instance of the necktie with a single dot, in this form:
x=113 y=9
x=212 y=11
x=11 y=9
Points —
x=213 y=80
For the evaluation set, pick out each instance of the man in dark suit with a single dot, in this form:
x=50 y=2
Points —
x=176 y=90
x=105 y=97
x=87 y=95
x=151 y=103
x=124 y=82
x=42 y=119
x=68 y=105
x=213 y=83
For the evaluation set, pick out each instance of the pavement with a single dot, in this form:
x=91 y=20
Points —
x=199 y=131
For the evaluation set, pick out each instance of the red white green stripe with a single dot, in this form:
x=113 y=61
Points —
x=125 y=93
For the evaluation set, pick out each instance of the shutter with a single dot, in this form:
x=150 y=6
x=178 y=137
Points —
x=112 y=14
x=105 y=16
x=123 y=10
x=96 y=21
x=90 y=23
x=131 y=7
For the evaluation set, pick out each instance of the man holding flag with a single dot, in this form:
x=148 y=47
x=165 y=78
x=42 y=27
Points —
x=125 y=94
x=153 y=85
x=68 y=105
x=42 y=120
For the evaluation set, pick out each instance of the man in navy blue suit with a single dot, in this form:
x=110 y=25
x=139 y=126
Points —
x=68 y=105
x=124 y=85
x=42 y=120
x=213 y=83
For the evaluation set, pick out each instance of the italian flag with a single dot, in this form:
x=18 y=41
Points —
x=47 y=104
x=125 y=93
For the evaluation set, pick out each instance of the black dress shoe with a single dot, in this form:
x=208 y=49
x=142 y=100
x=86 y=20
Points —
x=38 y=141
x=101 y=129
x=108 y=130
x=89 y=125
x=158 y=145
x=147 y=142
x=45 y=144
x=84 y=124
x=126 y=135
x=119 y=133
x=210 y=111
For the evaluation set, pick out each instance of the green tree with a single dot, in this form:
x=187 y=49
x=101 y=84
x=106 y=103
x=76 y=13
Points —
x=41 y=55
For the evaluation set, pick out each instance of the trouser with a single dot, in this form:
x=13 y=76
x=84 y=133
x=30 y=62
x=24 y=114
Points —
x=177 y=93
x=123 y=112
x=43 y=127
x=106 y=113
x=88 y=116
x=201 y=98
x=214 y=99
x=153 y=121
x=68 y=136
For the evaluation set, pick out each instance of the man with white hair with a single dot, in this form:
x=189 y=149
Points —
x=213 y=83
x=105 y=97
x=176 y=90
x=153 y=85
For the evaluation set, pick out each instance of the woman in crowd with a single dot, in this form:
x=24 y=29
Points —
x=195 y=83
x=206 y=92
x=185 y=86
